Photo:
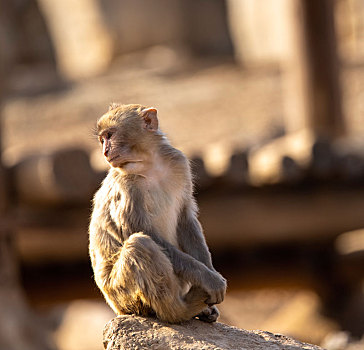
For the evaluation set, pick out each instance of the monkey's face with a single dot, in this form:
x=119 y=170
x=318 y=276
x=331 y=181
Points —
x=118 y=151
x=126 y=136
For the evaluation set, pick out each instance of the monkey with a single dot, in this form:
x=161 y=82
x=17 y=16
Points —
x=146 y=244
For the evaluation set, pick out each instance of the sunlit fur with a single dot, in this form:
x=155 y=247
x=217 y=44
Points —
x=147 y=248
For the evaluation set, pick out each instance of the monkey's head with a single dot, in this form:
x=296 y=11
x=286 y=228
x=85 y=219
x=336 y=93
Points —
x=128 y=135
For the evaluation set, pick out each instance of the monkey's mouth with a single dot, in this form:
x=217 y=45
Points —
x=116 y=162
x=123 y=164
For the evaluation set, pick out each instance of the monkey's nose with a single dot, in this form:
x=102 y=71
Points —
x=106 y=149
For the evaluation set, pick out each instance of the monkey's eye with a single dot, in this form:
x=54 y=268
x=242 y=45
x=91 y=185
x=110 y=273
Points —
x=106 y=135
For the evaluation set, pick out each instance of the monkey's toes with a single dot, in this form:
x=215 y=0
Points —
x=209 y=315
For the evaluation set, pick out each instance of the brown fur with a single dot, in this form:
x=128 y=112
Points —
x=146 y=245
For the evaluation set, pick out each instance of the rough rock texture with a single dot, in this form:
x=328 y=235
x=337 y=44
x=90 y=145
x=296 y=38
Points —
x=133 y=332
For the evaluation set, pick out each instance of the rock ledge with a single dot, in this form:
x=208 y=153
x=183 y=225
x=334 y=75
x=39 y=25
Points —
x=134 y=332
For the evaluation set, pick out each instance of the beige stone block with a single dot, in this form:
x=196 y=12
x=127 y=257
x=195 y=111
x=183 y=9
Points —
x=82 y=42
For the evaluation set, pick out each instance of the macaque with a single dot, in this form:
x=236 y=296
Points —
x=147 y=248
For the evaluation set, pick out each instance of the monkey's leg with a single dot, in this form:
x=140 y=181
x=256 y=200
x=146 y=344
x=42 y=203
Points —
x=143 y=274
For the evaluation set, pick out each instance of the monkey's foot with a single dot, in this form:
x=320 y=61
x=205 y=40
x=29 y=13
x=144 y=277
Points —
x=210 y=314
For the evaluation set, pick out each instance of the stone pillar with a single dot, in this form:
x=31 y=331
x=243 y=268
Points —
x=312 y=94
x=19 y=328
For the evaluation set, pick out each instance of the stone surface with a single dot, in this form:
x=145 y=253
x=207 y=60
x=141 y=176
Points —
x=133 y=332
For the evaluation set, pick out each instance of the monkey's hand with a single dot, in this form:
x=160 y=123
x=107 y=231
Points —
x=215 y=286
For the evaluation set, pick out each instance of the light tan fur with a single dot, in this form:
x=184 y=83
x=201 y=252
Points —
x=143 y=221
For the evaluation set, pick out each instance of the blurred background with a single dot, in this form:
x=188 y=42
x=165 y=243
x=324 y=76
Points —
x=266 y=98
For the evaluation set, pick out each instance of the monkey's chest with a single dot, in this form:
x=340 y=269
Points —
x=163 y=210
x=155 y=209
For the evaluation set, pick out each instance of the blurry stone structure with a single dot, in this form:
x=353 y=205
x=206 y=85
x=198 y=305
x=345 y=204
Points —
x=350 y=25
x=19 y=327
x=313 y=98
x=81 y=40
x=85 y=37
x=260 y=30
x=88 y=35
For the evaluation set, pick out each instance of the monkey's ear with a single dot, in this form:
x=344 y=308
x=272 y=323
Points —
x=150 y=119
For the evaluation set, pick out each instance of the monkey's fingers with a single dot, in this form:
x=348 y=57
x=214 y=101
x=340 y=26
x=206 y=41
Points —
x=216 y=289
x=216 y=297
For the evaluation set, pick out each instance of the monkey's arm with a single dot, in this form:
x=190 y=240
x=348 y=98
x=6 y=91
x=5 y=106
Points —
x=191 y=239
x=192 y=270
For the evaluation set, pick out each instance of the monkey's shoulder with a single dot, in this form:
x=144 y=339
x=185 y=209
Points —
x=174 y=157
